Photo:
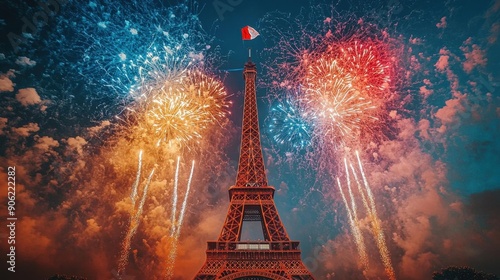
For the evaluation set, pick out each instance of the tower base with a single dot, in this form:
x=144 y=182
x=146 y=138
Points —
x=253 y=261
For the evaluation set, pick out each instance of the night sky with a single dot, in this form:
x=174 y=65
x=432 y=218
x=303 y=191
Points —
x=77 y=87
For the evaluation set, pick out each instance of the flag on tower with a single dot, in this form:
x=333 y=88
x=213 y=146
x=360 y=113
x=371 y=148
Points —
x=248 y=33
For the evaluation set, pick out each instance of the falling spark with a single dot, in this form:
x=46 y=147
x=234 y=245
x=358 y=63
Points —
x=135 y=216
x=353 y=202
x=184 y=203
x=378 y=233
x=177 y=223
x=174 y=197
x=353 y=221
x=133 y=195
x=358 y=183
x=144 y=195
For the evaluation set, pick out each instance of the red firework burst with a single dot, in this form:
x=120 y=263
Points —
x=367 y=64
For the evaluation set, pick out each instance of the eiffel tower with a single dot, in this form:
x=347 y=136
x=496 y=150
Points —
x=252 y=199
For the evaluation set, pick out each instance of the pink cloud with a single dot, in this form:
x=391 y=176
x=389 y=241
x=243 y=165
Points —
x=473 y=58
x=494 y=32
x=443 y=61
x=447 y=114
x=425 y=91
x=423 y=127
x=442 y=23
x=415 y=41
x=493 y=9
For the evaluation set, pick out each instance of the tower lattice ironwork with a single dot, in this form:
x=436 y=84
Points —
x=252 y=199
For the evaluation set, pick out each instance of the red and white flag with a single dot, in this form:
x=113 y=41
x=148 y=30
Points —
x=248 y=33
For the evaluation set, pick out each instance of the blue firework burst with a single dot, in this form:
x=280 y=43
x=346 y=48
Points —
x=289 y=126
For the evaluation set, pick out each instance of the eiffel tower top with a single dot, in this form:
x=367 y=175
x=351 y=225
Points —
x=251 y=170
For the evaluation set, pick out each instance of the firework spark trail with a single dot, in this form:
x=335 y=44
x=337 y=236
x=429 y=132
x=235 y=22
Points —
x=358 y=183
x=174 y=112
x=123 y=260
x=184 y=203
x=175 y=237
x=174 y=198
x=169 y=272
x=144 y=195
x=378 y=233
x=134 y=217
x=353 y=202
x=358 y=238
x=133 y=195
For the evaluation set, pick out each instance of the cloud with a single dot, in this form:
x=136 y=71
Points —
x=6 y=84
x=415 y=41
x=493 y=10
x=494 y=32
x=77 y=144
x=25 y=130
x=443 y=61
x=447 y=114
x=425 y=91
x=471 y=148
x=83 y=216
x=3 y=124
x=25 y=61
x=442 y=23
x=423 y=128
x=414 y=190
x=425 y=222
x=28 y=96
x=45 y=143
x=283 y=189
x=91 y=231
x=474 y=57
x=96 y=129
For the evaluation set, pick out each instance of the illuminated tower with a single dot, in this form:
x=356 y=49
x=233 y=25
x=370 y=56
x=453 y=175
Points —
x=252 y=199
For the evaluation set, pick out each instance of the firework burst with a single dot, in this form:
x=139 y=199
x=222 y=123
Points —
x=289 y=125
x=177 y=110
x=342 y=73
x=340 y=109
x=366 y=65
